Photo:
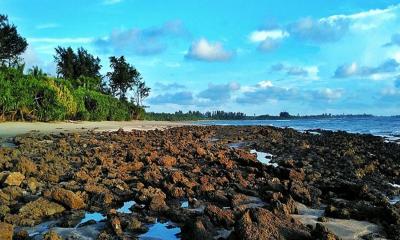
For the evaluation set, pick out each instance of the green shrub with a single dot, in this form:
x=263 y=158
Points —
x=29 y=97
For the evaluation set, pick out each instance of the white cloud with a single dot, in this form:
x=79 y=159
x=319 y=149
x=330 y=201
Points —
x=265 y=84
x=208 y=51
x=330 y=94
x=262 y=35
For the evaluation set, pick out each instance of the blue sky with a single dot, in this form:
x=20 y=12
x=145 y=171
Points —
x=256 y=57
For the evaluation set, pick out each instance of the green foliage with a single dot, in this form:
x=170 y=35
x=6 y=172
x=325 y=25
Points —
x=28 y=97
x=94 y=105
x=123 y=77
x=12 y=45
x=82 y=68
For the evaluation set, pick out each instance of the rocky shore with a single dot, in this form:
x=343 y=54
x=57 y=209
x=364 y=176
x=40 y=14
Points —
x=191 y=182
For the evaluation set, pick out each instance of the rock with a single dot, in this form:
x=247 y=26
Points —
x=116 y=226
x=197 y=230
x=322 y=233
x=52 y=235
x=4 y=210
x=200 y=151
x=259 y=223
x=68 y=198
x=26 y=166
x=14 y=179
x=157 y=203
x=168 y=161
x=33 y=212
x=32 y=184
x=136 y=226
x=6 y=231
x=219 y=216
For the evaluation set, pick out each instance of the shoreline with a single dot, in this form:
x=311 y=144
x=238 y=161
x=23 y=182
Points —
x=12 y=129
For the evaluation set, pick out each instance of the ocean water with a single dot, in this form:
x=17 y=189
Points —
x=388 y=127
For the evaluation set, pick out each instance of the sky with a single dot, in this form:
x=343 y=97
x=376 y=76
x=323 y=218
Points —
x=256 y=57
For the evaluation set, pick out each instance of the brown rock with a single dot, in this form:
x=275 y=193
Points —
x=116 y=225
x=26 y=166
x=34 y=212
x=14 y=179
x=168 y=161
x=52 y=235
x=68 y=198
x=219 y=216
x=200 y=151
x=259 y=223
x=6 y=231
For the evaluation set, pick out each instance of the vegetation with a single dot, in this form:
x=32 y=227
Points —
x=12 y=45
x=79 y=91
x=221 y=115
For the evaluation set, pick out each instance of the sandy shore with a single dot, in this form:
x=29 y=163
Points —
x=10 y=129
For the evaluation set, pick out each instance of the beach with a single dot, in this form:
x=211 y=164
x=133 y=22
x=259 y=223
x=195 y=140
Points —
x=11 y=129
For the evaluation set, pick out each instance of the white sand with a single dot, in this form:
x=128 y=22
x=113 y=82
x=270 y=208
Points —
x=11 y=129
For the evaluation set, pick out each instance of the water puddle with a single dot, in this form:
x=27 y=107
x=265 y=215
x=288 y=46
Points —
x=126 y=208
x=236 y=145
x=91 y=217
x=264 y=158
x=161 y=231
x=185 y=204
x=5 y=143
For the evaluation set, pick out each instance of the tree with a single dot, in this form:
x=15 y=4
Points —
x=65 y=60
x=123 y=77
x=12 y=45
x=81 y=67
x=37 y=72
x=142 y=91
x=284 y=115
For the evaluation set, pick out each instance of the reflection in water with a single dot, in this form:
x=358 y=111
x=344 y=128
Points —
x=126 y=207
x=263 y=157
x=164 y=231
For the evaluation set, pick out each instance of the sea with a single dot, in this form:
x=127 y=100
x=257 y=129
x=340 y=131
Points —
x=387 y=127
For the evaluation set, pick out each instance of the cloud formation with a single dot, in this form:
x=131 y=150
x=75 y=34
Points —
x=308 y=72
x=354 y=70
x=179 y=98
x=394 y=41
x=148 y=41
x=268 y=40
x=265 y=91
x=203 y=50
x=219 y=93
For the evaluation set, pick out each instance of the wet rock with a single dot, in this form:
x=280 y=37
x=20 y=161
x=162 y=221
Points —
x=135 y=225
x=14 y=179
x=6 y=231
x=68 y=198
x=322 y=233
x=116 y=226
x=51 y=235
x=198 y=229
x=219 y=216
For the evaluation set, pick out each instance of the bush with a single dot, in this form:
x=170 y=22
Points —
x=27 y=97
x=94 y=105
